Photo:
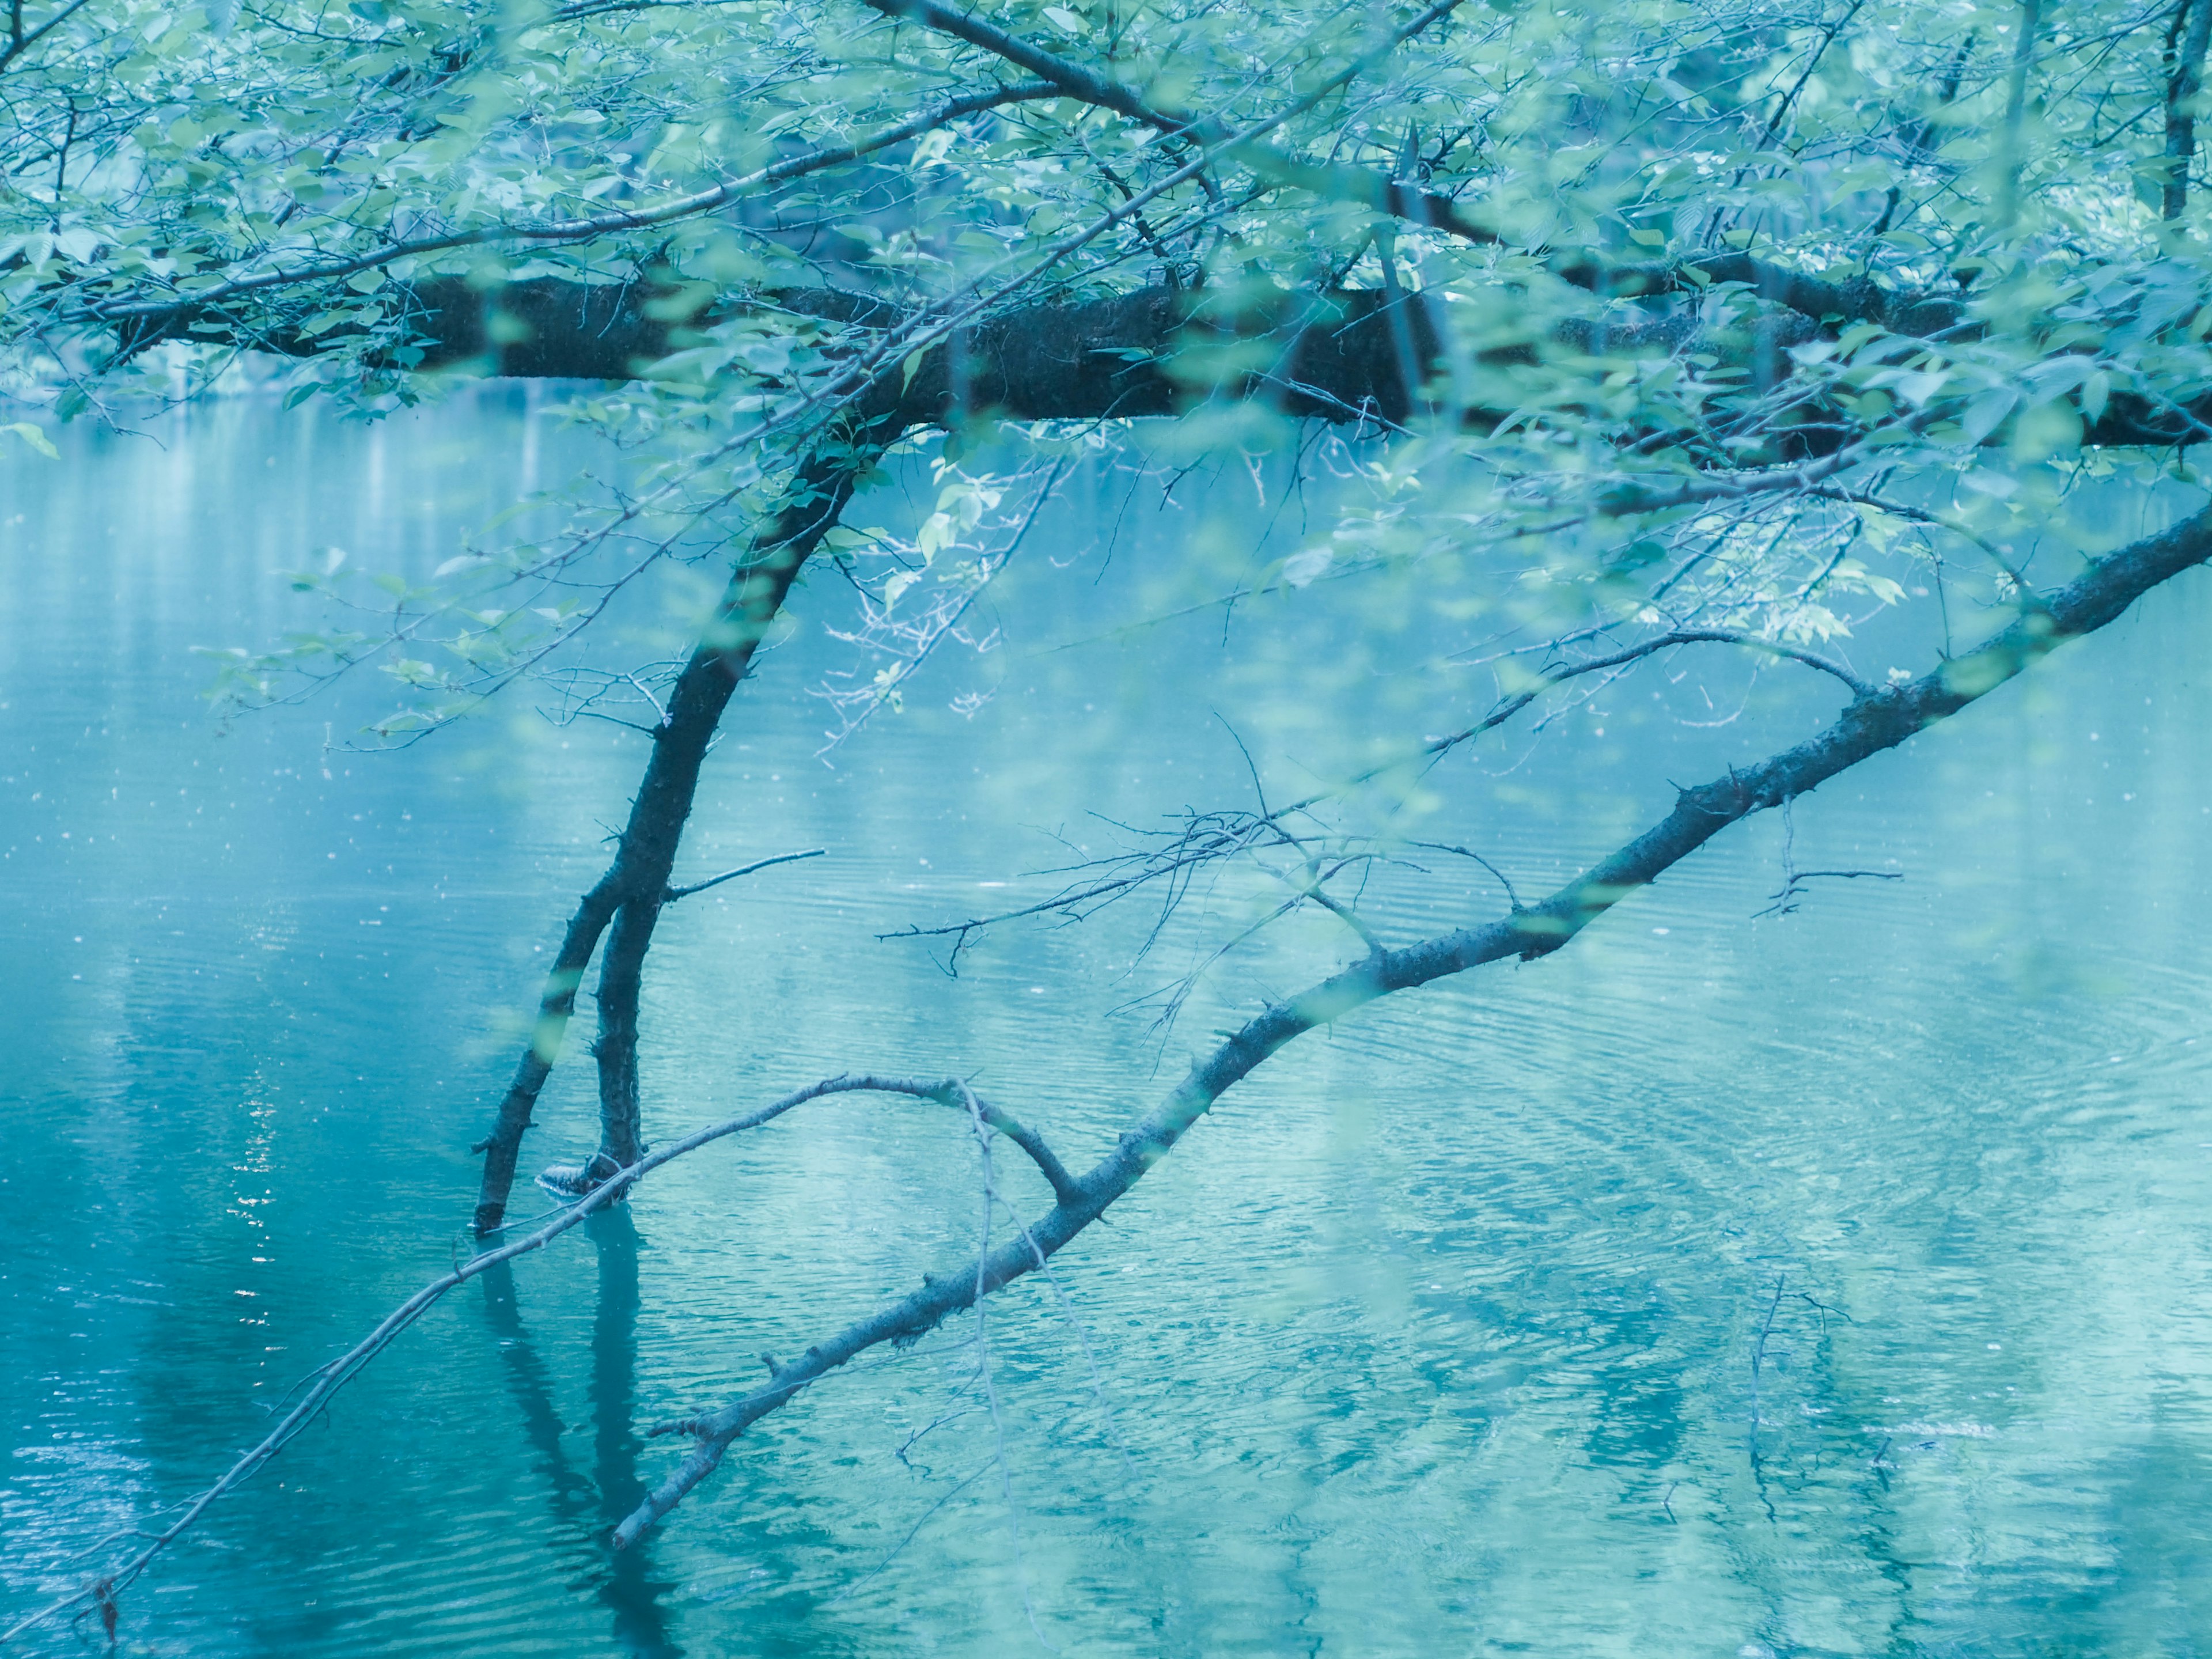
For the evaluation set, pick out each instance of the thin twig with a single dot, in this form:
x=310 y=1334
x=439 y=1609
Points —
x=676 y=893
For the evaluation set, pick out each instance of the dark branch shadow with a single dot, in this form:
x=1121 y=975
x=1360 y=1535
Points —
x=590 y=1506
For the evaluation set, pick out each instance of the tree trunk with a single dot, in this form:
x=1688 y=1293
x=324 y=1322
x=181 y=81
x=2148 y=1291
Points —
x=636 y=885
x=1094 y=360
x=2184 y=82
x=664 y=802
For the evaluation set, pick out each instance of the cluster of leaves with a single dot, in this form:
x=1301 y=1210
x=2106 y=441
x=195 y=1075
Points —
x=916 y=592
x=1732 y=303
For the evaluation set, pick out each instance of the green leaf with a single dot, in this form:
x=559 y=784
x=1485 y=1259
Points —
x=31 y=435
x=1987 y=413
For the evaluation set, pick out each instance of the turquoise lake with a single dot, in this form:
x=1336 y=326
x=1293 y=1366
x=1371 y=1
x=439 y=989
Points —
x=1838 y=1283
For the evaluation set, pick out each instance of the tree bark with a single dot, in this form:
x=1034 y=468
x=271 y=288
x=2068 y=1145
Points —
x=2182 y=87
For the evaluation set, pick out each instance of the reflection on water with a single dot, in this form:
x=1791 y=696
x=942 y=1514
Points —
x=589 y=1507
x=628 y=1590
x=1832 y=1283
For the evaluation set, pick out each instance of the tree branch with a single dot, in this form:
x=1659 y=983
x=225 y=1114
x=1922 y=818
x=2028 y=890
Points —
x=1067 y=77
x=1064 y=1185
x=560 y=231
x=676 y=893
x=2181 y=94
x=1868 y=727
x=20 y=41
x=1213 y=836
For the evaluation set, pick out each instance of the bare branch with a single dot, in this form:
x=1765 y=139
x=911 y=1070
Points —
x=1055 y=1173
x=1209 y=837
x=672 y=894
x=1787 y=899
x=1785 y=902
x=1511 y=897
x=1309 y=887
